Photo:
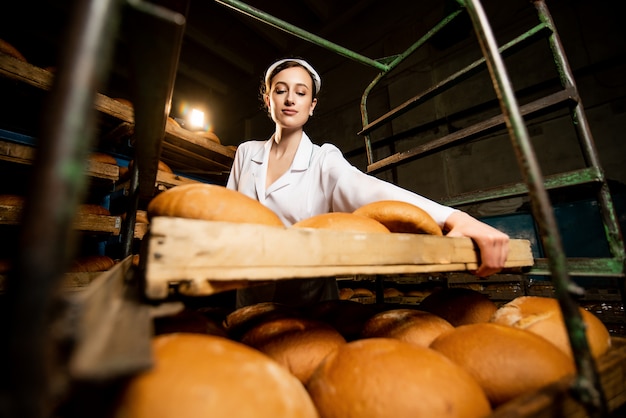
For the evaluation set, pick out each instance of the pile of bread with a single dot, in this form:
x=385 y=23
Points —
x=456 y=355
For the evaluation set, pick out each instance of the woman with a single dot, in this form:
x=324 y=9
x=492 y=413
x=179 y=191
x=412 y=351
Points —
x=298 y=179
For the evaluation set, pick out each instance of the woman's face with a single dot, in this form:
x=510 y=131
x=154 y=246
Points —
x=290 y=99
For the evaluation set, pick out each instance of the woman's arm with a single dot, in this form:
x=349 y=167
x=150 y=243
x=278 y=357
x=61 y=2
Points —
x=492 y=244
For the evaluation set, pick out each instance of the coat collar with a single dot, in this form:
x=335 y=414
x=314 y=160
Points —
x=301 y=162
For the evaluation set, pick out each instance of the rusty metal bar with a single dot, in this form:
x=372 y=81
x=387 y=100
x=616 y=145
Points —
x=587 y=384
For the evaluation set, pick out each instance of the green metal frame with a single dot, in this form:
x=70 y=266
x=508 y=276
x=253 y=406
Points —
x=535 y=185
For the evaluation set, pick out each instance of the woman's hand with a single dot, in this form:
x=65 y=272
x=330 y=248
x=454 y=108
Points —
x=493 y=244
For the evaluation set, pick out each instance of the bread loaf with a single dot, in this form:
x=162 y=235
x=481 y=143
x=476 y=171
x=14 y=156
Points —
x=197 y=376
x=543 y=316
x=383 y=377
x=188 y=321
x=12 y=200
x=345 y=293
x=505 y=361
x=346 y=316
x=401 y=217
x=245 y=318
x=209 y=135
x=101 y=157
x=8 y=49
x=92 y=209
x=459 y=306
x=341 y=221
x=298 y=344
x=410 y=325
x=91 y=264
x=212 y=203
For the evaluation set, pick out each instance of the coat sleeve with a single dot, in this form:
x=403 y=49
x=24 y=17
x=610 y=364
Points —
x=349 y=188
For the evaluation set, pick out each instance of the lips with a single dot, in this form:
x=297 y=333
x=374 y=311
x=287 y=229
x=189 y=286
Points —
x=289 y=112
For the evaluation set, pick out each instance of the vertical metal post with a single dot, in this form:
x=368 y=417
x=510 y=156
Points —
x=34 y=376
x=587 y=384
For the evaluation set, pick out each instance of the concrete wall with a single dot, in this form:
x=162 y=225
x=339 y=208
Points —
x=594 y=40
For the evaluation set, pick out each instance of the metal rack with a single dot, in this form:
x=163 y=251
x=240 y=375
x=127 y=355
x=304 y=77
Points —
x=535 y=185
x=54 y=197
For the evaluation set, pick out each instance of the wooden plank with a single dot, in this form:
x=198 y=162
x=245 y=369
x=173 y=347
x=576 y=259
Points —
x=25 y=154
x=557 y=400
x=12 y=215
x=193 y=251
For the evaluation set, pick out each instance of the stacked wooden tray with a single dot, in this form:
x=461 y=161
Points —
x=205 y=257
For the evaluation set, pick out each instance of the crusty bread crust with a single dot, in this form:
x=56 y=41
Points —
x=401 y=217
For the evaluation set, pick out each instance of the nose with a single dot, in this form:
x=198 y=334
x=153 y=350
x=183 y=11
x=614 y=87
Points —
x=289 y=99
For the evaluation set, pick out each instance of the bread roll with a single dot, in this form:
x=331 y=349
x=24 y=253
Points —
x=187 y=321
x=12 y=200
x=383 y=377
x=505 y=361
x=212 y=203
x=543 y=316
x=401 y=217
x=410 y=325
x=345 y=293
x=161 y=166
x=92 y=209
x=209 y=135
x=459 y=306
x=341 y=221
x=361 y=292
x=242 y=319
x=202 y=375
x=392 y=292
x=91 y=264
x=101 y=157
x=8 y=49
x=346 y=316
x=298 y=344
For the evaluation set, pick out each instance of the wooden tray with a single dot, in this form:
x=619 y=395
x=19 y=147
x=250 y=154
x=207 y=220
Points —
x=205 y=257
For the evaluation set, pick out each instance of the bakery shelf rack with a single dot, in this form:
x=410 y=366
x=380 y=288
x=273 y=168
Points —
x=109 y=322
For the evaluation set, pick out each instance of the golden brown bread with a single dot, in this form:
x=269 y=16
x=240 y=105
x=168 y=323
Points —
x=102 y=157
x=410 y=325
x=91 y=263
x=505 y=361
x=239 y=321
x=459 y=306
x=383 y=377
x=198 y=375
x=12 y=200
x=362 y=292
x=211 y=203
x=543 y=316
x=92 y=209
x=8 y=49
x=209 y=135
x=341 y=221
x=346 y=316
x=401 y=217
x=392 y=292
x=187 y=320
x=298 y=344
x=345 y=293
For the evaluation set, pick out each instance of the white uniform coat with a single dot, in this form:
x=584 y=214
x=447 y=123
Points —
x=320 y=180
